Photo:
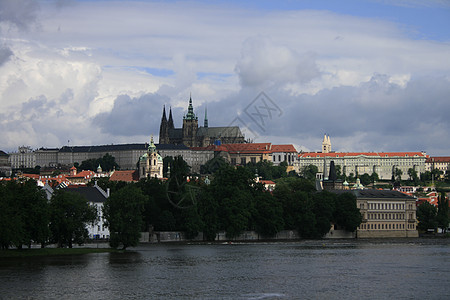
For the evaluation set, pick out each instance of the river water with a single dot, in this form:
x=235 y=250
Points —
x=325 y=269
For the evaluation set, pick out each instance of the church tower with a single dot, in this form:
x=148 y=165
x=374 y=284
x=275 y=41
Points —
x=164 y=128
x=170 y=125
x=190 y=126
x=326 y=144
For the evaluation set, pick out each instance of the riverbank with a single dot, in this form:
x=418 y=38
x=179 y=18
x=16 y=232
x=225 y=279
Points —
x=19 y=253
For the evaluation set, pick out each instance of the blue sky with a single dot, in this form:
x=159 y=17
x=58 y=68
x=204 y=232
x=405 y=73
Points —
x=374 y=75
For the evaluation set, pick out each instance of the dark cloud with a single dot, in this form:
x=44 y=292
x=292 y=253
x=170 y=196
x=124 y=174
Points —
x=5 y=54
x=20 y=13
x=133 y=116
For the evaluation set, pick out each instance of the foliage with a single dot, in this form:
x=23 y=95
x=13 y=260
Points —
x=23 y=214
x=442 y=217
x=347 y=214
x=426 y=214
x=123 y=214
x=266 y=170
x=309 y=172
x=69 y=215
x=268 y=215
x=107 y=162
x=212 y=165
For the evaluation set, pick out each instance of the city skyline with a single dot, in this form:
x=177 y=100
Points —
x=373 y=75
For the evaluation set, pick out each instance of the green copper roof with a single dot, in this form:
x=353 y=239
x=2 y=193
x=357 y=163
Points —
x=190 y=114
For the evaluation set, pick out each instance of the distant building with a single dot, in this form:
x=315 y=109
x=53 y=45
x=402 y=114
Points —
x=442 y=163
x=5 y=166
x=358 y=163
x=23 y=158
x=191 y=135
x=96 y=197
x=151 y=163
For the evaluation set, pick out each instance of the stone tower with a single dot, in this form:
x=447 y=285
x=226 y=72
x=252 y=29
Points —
x=190 y=126
x=326 y=144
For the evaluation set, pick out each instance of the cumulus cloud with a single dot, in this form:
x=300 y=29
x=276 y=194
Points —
x=264 y=63
x=133 y=116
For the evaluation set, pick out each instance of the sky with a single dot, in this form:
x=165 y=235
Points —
x=374 y=75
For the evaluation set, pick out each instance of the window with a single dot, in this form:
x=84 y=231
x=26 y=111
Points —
x=253 y=160
x=243 y=161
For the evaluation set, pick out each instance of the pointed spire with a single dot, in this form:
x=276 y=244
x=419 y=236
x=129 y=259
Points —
x=151 y=147
x=164 y=114
x=190 y=114
x=205 y=124
x=171 y=126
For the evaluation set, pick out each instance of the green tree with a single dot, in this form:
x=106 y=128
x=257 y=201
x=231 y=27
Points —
x=426 y=214
x=10 y=220
x=347 y=215
x=69 y=215
x=323 y=209
x=107 y=162
x=268 y=215
x=208 y=206
x=123 y=214
x=309 y=172
x=365 y=179
x=442 y=216
x=212 y=165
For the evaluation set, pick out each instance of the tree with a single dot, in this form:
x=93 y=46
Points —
x=347 y=214
x=268 y=215
x=365 y=179
x=426 y=214
x=123 y=214
x=309 y=172
x=107 y=162
x=412 y=173
x=10 y=220
x=69 y=215
x=442 y=216
x=212 y=165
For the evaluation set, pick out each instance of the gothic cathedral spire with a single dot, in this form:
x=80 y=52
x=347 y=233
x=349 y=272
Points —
x=205 y=123
x=164 y=129
x=171 y=126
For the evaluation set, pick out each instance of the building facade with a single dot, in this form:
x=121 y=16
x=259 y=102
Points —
x=442 y=163
x=386 y=214
x=151 y=163
x=358 y=163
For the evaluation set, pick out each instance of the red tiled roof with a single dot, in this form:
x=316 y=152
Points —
x=267 y=182
x=283 y=148
x=127 y=176
x=438 y=159
x=373 y=154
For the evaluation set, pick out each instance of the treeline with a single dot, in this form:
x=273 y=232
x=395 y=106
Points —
x=26 y=216
x=233 y=203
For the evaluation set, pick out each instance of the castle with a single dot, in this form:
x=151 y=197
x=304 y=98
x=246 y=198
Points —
x=191 y=135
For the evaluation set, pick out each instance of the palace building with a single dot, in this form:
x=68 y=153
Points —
x=358 y=163
x=191 y=135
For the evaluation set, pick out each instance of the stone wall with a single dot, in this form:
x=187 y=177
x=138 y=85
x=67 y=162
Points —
x=387 y=233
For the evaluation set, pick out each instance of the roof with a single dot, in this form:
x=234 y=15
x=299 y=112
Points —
x=104 y=148
x=126 y=175
x=267 y=181
x=283 y=148
x=176 y=133
x=3 y=153
x=353 y=154
x=376 y=194
x=91 y=193
x=439 y=159
x=171 y=147
x=217 y=132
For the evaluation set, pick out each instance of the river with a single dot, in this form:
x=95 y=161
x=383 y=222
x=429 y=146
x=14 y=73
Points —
x=324 y=269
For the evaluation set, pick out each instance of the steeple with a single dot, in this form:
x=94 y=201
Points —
x=164 y=129
x=190 y=114
x=171 y=126
x=205 y=124
x=164 y=119
x=151 y=147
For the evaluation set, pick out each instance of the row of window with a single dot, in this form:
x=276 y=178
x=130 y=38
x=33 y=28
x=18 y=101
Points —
x=388 y=226
x=390 y=206
x=386 y=216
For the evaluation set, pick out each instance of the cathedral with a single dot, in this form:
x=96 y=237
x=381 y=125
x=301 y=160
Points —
x=191 y=135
